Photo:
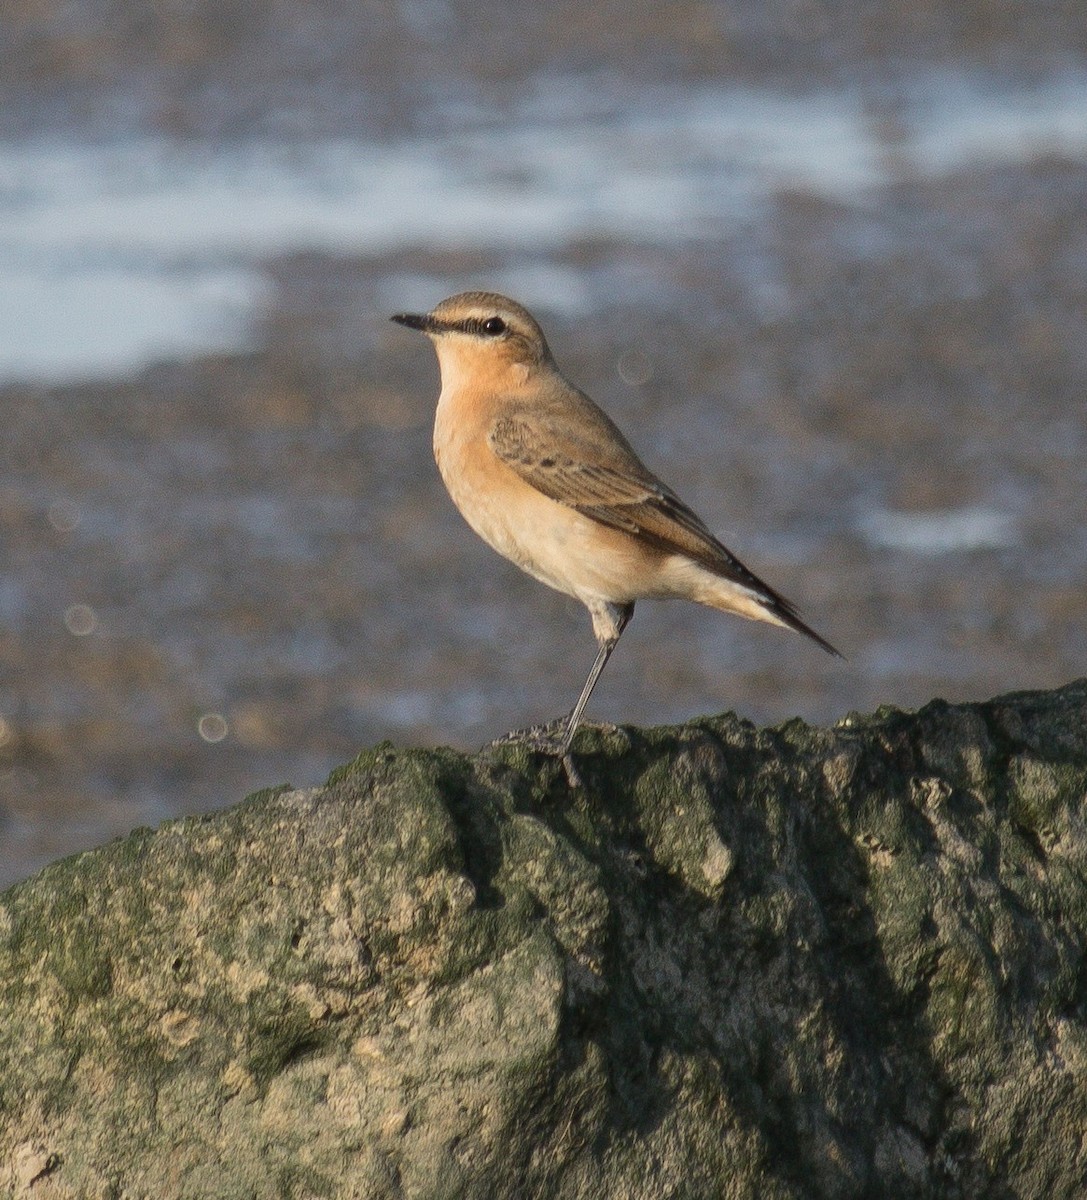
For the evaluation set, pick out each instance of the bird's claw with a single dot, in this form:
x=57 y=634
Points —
x=573 y=776
x=547 y=739
x=551 y=739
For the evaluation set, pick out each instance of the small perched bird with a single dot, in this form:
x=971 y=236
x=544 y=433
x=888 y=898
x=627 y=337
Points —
x=546 y=478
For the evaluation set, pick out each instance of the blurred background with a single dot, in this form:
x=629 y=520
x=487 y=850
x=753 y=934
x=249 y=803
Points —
x=826 y=264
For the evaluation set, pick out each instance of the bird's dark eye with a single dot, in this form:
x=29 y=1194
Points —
x=493 y=326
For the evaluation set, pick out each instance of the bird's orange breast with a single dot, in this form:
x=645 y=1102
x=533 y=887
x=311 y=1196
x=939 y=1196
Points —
x=550 y=541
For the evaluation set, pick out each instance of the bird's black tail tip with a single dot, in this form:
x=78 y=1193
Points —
x=785 y=612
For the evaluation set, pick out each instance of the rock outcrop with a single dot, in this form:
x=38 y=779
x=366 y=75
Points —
x=789 y=962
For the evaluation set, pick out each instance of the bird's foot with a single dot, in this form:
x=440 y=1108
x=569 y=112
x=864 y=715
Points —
x=550 y=739
x=547 y=739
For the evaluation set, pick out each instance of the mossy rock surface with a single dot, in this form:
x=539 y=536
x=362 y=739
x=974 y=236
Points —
x=739 y=962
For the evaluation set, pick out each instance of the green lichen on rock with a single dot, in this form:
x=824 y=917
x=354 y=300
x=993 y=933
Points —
x=789 y=962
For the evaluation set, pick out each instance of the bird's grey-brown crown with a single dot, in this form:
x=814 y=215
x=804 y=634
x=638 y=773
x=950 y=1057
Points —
x=488 y=316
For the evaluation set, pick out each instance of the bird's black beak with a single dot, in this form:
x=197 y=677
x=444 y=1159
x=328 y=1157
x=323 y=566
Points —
x=423 y=321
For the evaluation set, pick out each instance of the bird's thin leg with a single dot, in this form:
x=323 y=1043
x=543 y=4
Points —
x=574 y=719
x=609 y=621
x=622 y=618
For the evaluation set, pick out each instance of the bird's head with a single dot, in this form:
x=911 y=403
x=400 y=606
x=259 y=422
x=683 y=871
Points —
x=480 y=333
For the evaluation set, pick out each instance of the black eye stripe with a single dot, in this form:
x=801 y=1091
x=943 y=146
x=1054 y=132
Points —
x=481 y=326
x=487 y=326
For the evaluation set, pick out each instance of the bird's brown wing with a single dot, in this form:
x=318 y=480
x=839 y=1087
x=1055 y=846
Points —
x=588 y=465
x=601 y=477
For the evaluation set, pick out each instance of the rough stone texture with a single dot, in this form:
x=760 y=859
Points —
x=775 y=963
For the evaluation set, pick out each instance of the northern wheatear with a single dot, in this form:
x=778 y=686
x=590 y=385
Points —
x=546 y=479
